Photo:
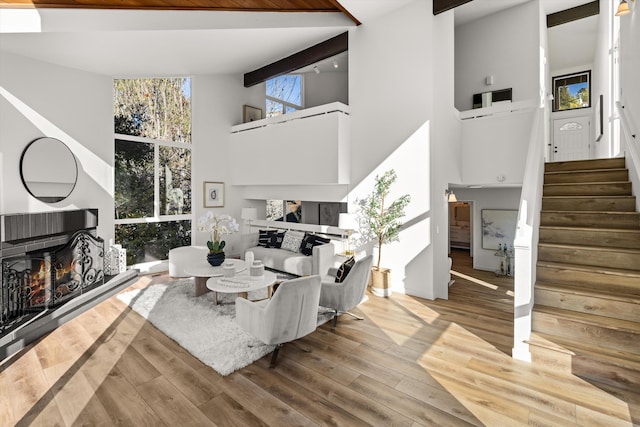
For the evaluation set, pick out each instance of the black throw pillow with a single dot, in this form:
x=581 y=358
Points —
x=264 y=236
x=275 y=240
x=344 y=269
x=309 y=241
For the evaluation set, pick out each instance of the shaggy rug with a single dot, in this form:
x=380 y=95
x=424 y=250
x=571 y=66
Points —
x=207 y=331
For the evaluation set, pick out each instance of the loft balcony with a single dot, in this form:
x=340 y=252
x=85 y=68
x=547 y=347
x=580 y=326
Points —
x=308 y=147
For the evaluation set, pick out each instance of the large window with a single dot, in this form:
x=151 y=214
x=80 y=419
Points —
x=572 y=91
x=152 y=121
x=284 y=94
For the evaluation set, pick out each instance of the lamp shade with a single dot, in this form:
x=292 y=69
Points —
x=623 y=8
x=347 y=221
x=249 y=214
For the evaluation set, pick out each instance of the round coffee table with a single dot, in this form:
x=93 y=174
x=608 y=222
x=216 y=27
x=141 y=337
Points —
x=241 y=284
x=201 y=270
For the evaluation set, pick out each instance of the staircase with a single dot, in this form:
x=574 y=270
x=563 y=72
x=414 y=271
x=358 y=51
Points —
x=587 y=296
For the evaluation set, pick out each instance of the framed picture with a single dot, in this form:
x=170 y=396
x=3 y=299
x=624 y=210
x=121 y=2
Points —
x=213 y=194
x=498 y=227
x=251 y=114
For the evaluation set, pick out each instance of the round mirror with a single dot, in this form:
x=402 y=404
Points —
x=48 y=169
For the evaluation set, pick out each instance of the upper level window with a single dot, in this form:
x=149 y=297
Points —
x=571 y=91
x=284 y=94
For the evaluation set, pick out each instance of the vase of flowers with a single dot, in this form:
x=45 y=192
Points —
x=217 y=226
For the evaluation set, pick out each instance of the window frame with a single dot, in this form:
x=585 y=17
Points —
x=556 y=89
x=284 y=103
x=157 y=217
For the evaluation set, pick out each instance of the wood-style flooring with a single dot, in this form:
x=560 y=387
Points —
x=411 y=362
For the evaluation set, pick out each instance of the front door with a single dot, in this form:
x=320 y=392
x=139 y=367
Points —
x=571 y=139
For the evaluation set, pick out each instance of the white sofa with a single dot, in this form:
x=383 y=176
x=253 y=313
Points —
x=321 y=259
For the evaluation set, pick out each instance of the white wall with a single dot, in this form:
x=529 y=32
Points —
x=216 y=106
x=486 y=198
x=504 y=45
x=630 y=63
x=325 y=88
x=446 y=146
x=391 y=96
x=39 y=99
x=495 y=146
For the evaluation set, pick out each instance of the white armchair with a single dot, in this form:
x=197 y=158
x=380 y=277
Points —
x=290 y=314
x=342 y=297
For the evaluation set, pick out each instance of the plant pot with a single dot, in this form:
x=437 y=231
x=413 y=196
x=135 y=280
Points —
x=215 y=258
x=380 y=282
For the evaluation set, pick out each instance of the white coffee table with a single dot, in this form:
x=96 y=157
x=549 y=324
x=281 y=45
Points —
x=201 y=270
x=241 y=284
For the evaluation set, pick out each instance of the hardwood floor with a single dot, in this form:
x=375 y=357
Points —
x=411 y=362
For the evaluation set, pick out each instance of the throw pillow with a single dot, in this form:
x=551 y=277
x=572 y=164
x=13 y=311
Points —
x=309 y=241
x=264 y=236
x=275 y=240
x=292 y=240
x=344 y=269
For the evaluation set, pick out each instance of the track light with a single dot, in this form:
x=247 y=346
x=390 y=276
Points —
x=316 y=69
x=335 y=64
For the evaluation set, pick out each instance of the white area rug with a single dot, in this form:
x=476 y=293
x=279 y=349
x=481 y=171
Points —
x=207 y=331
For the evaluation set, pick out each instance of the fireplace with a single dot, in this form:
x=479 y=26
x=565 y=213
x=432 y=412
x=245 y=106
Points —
x=47 y=268
x=52 y=269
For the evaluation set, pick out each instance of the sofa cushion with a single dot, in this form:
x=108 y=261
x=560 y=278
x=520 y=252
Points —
x=309 y=241
x=292 y=240
x=283 y=260
x=344 y=269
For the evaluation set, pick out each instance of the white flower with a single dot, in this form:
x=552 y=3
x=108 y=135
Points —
x=217 y=225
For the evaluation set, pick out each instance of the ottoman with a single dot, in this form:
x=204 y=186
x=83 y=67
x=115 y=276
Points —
x=180 y=257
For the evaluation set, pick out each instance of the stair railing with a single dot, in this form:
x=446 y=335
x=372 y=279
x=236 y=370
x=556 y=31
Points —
x=526 y=240
x=631 y=147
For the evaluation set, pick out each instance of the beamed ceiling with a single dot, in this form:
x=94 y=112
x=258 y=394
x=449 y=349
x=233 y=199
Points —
x=214 y=5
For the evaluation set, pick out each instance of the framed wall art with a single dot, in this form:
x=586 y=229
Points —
x=498 y=227
x=251 y=114
x=213 y=194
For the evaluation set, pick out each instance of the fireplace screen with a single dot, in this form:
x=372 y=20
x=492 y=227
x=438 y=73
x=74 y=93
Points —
x=37 y=281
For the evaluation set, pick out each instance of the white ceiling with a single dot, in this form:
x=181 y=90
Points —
x=123 y=43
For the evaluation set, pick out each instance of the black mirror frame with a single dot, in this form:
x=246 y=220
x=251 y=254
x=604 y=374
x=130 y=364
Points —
x=52 y=199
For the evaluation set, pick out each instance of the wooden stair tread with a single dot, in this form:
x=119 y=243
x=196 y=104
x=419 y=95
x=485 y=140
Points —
x=567 y=346
x=582 y=197
x=591 y=212
x=602 y=293
x=626 y=326
x=595 y=230
x=565 y=184
x=591 y=269
x=591 y=248
x=584 y=170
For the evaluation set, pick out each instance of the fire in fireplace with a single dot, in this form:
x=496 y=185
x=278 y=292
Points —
x=40 y=280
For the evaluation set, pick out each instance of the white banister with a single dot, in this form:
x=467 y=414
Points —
x=526 y=240
x=630 y=144
x=499 y=108
x=301 y=114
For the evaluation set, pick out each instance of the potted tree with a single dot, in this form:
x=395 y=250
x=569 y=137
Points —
x=380 y=222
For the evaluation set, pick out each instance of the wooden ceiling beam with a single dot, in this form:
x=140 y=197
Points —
x=323 y=50
x=573 y=14
x=440 y=6
x=213 y=5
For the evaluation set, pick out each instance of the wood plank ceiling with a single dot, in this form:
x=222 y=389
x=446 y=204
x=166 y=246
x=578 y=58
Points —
x=212 y=5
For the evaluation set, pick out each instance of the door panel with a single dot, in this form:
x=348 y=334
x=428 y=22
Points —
x=571 y=139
